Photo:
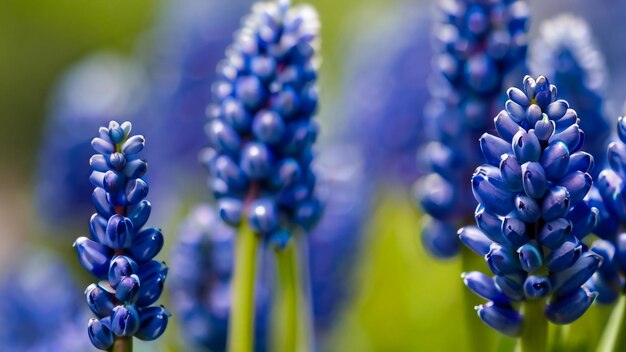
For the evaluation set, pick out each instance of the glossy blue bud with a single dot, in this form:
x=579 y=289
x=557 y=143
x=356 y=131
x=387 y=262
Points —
x=576 y=274
x=526 y=146
x=287 y=172
x=580 y=161
x=439 y=238
x=118 y=232
x=140 y=213
x=135 y=168
x=100 y=334
x=227 y=170
x=617 y=157
x=279 y=239
x=100 y=300
x=584 y=219
x=436 y=195
x=287 y=103
x=502 y=261
x=257 y=160
x=475 y=240
x=128 y=289
x=152 y=277
x=543 y=96
x=506 y=126
x=113 y=182
x=230 y=210
x=570 y=136
x=101 y=146
x=514 y=230
x=484 y=286
x=121 y=266
x=544 y=127
x=136 y=190
x=236 y=115
x=268 y=127
x=511 y=173
x=490 y=224
x=553 y=233
x=493 y=148
x=263 y=216
x=557 y=109
x=577 y=184
x=555 y=204
x=511 y=285
x=308 y=213
x=492 y=193
x=124 y=321
x=565 y=255
x=530 y=257
x=501 y=318
x=222 y=137
x=517 y=96
x=93 y=256
x=555 y=160
x=566 y=121
x=133 y=145
x=534 y=115
x=249 y=90
x=146 y=244
x=537 y=286
x=534 y=180
x=99 y=163
x=100 y=201
x=565 y=310
x=153 y=321
x=516 y=111
x=527 y=209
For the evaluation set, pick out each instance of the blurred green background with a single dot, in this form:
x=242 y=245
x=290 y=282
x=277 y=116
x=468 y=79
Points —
x=406 y=300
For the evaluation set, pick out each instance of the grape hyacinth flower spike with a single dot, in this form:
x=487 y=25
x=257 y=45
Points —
x=120 y=251
x=261 y=134
x=531 y=217
x=477 y=43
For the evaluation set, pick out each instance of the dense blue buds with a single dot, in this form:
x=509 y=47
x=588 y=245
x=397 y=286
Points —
x=476 y=45
x=260 y=128
x=120 y=250
x=531 y=215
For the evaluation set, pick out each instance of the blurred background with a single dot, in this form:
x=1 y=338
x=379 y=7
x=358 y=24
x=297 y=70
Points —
x=68 y=66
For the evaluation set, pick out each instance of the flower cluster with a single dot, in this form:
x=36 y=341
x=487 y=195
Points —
x=531 y=215
x=260 y=130
x=566 y=52
x=202 y=270
x=477 y=44
x=609 y=280
x=120 y=251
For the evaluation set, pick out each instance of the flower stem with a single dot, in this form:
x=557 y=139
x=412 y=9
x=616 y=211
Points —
x=614 y=338
x=123 y=344
x=241 y=326
x=287 y=276
x=535 y=330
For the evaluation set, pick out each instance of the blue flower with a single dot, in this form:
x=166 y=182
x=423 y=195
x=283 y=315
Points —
x=100 y=86
x=120 y=251
x=381 y=96
x=39 y=309
x=260 y=129
x=202 y=269
x=567 y=53
x=608 y=281
x=476 y=45
x=532 y=217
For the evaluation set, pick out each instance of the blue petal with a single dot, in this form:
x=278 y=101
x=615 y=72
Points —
x=257 y=160
x=100 y=300
x=565 y=255
x=439 y=239
x=124 y=321
x=534 y=180
x=553 y=233
x=501 y=318
x=526 y=146
x=93 y=256
x=121 y=266
x=99 y=334
x=484 y=286
x=527 y=209
x=556 y=203
x=152 y=277
x=263 y=216
x=127 y=290
x=530 y=257
x=576 y=275
x=153 y=322
x=555 y=160
x=475 y=240
x=514 y=230
x=268 y=126
x=230 y=210
x=565 y=310
x=537 y=286
x=146 y=244
x=511 y=173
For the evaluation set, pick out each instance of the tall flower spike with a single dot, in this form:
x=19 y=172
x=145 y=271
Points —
x=120 y=251
x=567 y=53
x=260 y=128
x=531 y=217
x=202 y=270
x=476 y=44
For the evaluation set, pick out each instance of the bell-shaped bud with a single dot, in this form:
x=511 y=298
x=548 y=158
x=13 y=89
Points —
x=527 y=209
x=230 y=210
x=263 y=216
x=555 y=160
x=439 y=238
x=121 y=266
x=100 y=334
x=119 y=232
x=530 y=257
x=494 y=148
x=475 y=240
x=100 y=300
x=537 y=286
x=565 y=310
x=146 y=244
x=93 y=256
x=526 y=146
x=484 y=286
x=553 y=233
x=124 y=321
x=534 y=180
x=576 y=274
x=501 y=318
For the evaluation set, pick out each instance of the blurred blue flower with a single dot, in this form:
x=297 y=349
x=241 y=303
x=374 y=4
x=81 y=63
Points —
x=39 y=310
x=101 y=86
x=567 y=54
x=531 y=215
x=202 y=269
x=385 y=60
x=260 y=128
x=476 y=44
x=121 y=251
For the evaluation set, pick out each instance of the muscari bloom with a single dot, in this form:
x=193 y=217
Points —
x=102 y=85
x=380 y=97
x=38 y=308
x=477 y=44
x=120 y=251
x=202 y=270
x=260 y=128
x=567 y=53
x=609 y=280
x=531 y=215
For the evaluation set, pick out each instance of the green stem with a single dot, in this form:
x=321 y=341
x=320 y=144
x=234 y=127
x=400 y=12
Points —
x=241 y=327
x=535 y=330
x=614 y=338
x=286 y=262
x=123 y=344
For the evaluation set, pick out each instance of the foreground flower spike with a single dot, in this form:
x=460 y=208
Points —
x=202 y=270
x=261 y=130
x=531 y=217
x=477 y=44
x=120 y=251
x=567 y=53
